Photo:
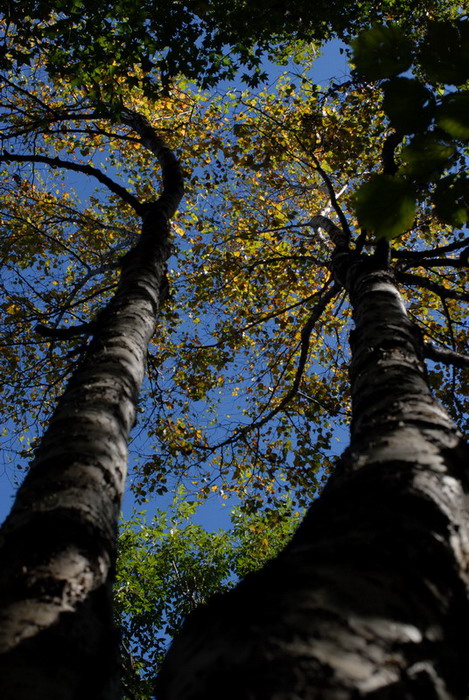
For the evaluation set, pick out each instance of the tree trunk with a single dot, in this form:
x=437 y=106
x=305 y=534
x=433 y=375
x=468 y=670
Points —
x=370 y=598
x=57 y=639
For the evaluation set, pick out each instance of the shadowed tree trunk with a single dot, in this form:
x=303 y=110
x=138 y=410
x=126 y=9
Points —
x=370 y=598
x=57 y=639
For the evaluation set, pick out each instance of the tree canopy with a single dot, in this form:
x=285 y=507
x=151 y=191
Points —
x=170 y=565
x=251 y=268
x=248 y=385
x=204 y=41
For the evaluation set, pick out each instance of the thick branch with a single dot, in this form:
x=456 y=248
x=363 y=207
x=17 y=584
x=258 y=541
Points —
x=387 y=154
x=446 y=356
x=432 y=252
x=63 y=333
x=57 y=548
x=460 y=261
x=173 y=183
x=442 y=292
x=336 y=234
x=369 y=599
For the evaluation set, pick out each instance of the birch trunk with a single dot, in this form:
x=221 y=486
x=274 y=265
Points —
x=370 y=599
x=57 y=639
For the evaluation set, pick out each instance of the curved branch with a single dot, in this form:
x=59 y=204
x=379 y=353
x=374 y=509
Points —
x=248 y=326
x=332 y=196
x=173 y=183
x=114 y=187
x=445 y=356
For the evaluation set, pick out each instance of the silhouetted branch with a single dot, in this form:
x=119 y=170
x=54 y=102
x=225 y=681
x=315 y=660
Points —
x=63 y=333
x=432 y=252
x=445 y=356
x=332 y=196
x=442 y=292
x=387 y=154
x=114 y=187
x=460 y=261
x=306 y=331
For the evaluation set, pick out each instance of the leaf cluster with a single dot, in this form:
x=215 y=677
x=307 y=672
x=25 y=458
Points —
x=236 y=340
x=170 y=565
x=429 y=111
x=99 y=45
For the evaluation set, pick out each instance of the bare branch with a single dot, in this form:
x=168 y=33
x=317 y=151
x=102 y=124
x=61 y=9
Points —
x=346 y=233
x=114 y=187
x=391 y=142
x=460 y=261
x=63 y=333
x=239 y=331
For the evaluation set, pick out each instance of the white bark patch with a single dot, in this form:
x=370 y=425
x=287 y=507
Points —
x=382 y=628
x=355 y=669
x=388 y=288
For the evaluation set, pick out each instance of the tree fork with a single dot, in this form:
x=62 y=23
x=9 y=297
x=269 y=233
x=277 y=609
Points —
x=370 y=598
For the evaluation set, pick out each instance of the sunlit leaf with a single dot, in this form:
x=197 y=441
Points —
x=385 y=205
x=408 y=104
x=451 y=199
x=453 y=115
x=382 y=52
x=426 y=156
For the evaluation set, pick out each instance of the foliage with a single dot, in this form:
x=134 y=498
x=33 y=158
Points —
x=244 y=395
x=429 y=113
x=385 y=205
x=170 y=565
x=248 y=385
x=96 y=45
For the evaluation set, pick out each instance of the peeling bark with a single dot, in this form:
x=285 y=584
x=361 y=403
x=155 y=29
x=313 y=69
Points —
x=57 y=640
x=370 y=598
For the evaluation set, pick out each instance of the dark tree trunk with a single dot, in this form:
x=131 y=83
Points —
x=370 y=599
x=57 y=640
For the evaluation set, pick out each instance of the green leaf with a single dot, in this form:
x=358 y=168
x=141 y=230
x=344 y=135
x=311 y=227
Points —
x=451 y=200
x=325 y=166
x=382 y=52
x=453 y=115
x=386 y=205
x=444 y=54
x=408 y=104
x=426 y=156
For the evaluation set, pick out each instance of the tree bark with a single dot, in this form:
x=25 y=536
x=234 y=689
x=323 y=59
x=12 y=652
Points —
x=57 y=639
x=370 y=598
